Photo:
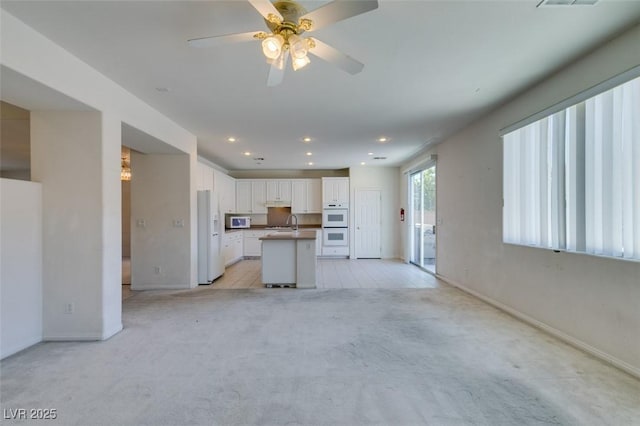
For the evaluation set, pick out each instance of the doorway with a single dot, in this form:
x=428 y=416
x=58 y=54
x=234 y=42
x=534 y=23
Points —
x=368 y=224
x=125 y=180
x=423 y=218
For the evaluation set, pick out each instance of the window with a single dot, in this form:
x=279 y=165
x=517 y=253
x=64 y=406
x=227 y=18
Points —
x=572 y=179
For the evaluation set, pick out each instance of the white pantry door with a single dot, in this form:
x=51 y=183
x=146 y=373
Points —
x=368 y=224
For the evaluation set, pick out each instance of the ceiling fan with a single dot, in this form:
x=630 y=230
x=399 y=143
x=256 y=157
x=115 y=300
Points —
x=287 y=21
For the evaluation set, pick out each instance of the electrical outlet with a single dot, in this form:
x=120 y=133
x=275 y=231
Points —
x=156 y=270
x=68 y=308
x=140 y=223
x=178 y=223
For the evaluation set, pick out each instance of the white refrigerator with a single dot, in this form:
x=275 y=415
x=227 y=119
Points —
x=210 y=260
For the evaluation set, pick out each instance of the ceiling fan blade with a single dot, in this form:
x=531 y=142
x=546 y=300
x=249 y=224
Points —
x=336 y=57
x=265 y=8
x=338 y=10
x=276 y=75
x=222 y=39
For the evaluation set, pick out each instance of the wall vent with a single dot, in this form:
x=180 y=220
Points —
x=379 y=158
x=545 y=3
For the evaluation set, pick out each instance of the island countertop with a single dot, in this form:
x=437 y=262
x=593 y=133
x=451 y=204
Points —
x=291 y=235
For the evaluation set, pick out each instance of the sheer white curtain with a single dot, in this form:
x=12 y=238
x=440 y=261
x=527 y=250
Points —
x=572 y=179
x=534 y=183
x=612 y=172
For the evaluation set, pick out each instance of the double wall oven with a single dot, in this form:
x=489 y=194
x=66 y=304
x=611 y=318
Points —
x=335 y=232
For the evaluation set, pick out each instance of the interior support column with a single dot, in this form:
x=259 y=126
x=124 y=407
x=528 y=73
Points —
x=76 y=157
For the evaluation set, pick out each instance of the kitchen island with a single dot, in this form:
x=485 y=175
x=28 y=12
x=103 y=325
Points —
x=289 y=258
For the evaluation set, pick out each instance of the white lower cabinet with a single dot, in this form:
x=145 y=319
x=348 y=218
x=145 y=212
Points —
x=335 y=251
x=232 y=247
x=252 y=243
x=237 y=245
x=318 y=242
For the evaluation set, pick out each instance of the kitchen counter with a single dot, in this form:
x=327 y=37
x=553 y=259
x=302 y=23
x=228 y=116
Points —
x=290 y=235
x=273 y=228
x=276 y=228
x=289 y=258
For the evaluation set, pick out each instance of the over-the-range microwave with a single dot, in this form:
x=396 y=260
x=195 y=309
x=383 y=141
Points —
x=238 y=222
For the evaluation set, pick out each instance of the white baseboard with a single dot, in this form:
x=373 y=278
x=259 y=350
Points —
x=73 y=337
x=160 y=287
x=108 y=333
x=14 y=349
x=618 y=363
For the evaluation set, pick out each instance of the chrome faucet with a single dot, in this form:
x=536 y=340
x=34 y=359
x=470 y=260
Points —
x=289 y=218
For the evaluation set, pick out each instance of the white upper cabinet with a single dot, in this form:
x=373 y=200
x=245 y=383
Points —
x=251 y=196
x=258 y=196
x=306 y=196
x=278 y=191
x=243 y=196
x=314 y=196
x=298 y=196
x=205 y=177
x=335 y=190
x=225 y=186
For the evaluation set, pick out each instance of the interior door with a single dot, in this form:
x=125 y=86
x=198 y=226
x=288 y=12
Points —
x=368 y=224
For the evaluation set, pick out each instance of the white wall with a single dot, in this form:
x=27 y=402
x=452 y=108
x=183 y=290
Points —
x=44 y=64
x=126 y=218
x=110 y=253
x=387 y=180
x=20 y=265
x=159 y=196
x=593 y=302
x=35 y=56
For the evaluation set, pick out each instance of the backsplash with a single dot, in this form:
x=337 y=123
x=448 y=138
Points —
x=303 y=219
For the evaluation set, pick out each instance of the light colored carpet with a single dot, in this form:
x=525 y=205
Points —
x=334 y=357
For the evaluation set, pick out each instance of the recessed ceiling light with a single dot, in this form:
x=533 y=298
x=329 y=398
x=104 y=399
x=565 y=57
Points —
x=309 y=154
x=362 y=163
x=310 y=163
x=306 y=139
x=247 y=153
x=382 y=139
x=231 y=139
x=369 y=153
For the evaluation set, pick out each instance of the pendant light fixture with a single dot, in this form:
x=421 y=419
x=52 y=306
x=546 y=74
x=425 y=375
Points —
x=125 y=170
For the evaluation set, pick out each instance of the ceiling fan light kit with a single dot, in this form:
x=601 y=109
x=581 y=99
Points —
x=272 y=46
x=288 y=20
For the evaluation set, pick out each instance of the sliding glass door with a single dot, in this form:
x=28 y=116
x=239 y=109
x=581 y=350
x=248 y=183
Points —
x=423 y=218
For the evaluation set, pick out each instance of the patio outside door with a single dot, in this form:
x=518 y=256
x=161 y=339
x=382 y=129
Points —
x=423 y=218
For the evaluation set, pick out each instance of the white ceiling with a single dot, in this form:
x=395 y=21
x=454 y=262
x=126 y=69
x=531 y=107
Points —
x=431 y=67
